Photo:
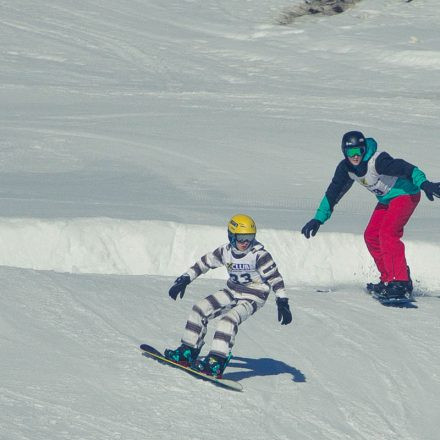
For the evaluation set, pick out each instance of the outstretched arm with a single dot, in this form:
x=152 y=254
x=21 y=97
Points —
x=268 y=271
x=211 y=260
x=385 y=164
x=339 y=185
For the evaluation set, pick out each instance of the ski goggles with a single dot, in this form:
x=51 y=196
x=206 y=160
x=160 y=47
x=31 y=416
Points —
x=355 y=151
x=245 y=238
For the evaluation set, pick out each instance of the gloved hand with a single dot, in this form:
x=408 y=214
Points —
x=179 y=286
x=311 y=228
x=284 y=313
x=431 y=189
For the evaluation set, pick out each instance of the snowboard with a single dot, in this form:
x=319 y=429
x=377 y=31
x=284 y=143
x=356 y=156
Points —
x=151 y=352
x=407 y=303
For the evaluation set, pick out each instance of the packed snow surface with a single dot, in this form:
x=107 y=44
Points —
x=131 y=131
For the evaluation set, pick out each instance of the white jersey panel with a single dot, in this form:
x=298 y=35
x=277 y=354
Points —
x=243 y=270
x=253 y=273
x=378 y=184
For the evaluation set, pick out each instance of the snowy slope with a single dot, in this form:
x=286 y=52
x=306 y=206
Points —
x=130 y=132
x=348 y=368
x=187 y=111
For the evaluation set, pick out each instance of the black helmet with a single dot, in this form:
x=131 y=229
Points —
x=353 y=139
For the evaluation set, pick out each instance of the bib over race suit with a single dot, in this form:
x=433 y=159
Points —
x=252 y=275
x=396 y=185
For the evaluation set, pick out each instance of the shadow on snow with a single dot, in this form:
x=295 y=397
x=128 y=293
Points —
x=261 y=367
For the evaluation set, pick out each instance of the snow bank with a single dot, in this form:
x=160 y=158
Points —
x=111 y=246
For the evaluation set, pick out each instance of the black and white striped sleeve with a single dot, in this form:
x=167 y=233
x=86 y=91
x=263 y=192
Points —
x=211 y=260
x=268 y=271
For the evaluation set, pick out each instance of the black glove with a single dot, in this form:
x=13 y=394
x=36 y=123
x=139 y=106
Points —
x=179 y=286
x=311 y=228
x=284 y=313
x=431 y=189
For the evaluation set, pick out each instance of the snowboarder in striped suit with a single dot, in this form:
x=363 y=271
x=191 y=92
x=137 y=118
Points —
x=252 y=275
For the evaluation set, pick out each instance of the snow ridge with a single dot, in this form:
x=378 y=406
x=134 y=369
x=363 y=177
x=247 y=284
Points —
x=126 y=247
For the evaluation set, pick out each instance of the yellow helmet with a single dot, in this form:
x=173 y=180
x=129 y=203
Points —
x=241 y=227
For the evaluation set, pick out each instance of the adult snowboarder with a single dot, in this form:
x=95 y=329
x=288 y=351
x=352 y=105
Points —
x=252 y=275
x=396 y=184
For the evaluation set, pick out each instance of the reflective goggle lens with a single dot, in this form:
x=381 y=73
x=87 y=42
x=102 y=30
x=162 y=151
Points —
x=242 y=238
x=355 y=151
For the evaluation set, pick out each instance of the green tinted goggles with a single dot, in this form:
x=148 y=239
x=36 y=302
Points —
x=355 y=151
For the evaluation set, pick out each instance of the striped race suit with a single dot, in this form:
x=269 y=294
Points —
x=251 y=277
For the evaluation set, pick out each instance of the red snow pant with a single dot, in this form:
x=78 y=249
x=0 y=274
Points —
x=383 y=234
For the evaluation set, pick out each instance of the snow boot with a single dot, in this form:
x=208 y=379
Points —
x=212 y=365
x=183 y=355
x=376 y=287
x=395 y=286
x=398 y=290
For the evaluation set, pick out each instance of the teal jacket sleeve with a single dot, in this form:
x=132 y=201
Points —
x=324 y=211
x=418 y=177
x=339 y=185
